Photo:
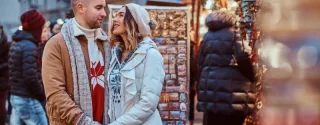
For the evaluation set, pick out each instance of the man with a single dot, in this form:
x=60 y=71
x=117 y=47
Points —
x=73 y=67
x=27 y=91
x=4 y=84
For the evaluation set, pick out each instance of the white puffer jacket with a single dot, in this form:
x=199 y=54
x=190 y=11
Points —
x=141 y=84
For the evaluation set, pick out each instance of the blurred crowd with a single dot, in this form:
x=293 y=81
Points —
x=39 y=31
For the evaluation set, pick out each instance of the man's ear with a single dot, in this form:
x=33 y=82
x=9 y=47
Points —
x=80 y=7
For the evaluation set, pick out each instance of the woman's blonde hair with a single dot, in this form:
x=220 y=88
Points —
x=132 y=31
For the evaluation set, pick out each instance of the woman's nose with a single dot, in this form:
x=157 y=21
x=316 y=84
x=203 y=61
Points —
x=114 y=19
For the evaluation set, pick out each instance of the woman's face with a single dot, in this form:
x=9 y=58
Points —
x=119 y=27
x=45 y=35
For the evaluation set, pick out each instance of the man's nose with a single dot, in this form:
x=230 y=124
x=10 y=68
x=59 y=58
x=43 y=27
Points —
x=103 y=13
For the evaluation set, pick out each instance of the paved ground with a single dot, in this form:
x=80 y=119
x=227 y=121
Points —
x=198 y=116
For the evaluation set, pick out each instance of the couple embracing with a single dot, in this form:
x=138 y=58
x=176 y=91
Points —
x=89 y=82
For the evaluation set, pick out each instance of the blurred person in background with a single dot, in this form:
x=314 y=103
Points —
x=44 y=38
x=194 y=75
x=55 y=27
x=4 y=83
x=69 y=14
x=74 y=66
x=27 y=91
x=226 y=92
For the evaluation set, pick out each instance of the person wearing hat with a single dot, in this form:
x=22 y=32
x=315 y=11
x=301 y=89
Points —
x=226 y=94
x=136 y=70
x=74 y=66
x=55 y=27
x=27 y=91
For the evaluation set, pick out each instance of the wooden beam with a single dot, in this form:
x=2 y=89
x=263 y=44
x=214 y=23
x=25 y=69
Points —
x=192 y=13
x=198 y=21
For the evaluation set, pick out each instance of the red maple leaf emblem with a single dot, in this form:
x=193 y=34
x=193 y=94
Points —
x=97 y=74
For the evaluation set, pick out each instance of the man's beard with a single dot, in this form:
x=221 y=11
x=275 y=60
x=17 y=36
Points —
x=95 y=25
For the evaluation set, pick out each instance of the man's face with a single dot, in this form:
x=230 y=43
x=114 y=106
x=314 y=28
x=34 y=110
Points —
x=94 y=13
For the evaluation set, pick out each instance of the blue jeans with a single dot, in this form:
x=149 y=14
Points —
x=27 y=111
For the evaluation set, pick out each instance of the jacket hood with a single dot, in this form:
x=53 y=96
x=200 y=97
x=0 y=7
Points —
x=23 y=35
x=144 y=45
x=220 y=19
x=148 y=41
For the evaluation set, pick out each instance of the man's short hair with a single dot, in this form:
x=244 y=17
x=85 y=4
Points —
x=75 y=2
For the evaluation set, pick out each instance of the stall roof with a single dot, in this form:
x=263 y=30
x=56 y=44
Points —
x=166 y=3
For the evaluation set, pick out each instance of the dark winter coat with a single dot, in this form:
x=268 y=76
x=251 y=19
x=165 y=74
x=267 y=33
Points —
x=223 y=88
x=4 y=51
x=24 y=67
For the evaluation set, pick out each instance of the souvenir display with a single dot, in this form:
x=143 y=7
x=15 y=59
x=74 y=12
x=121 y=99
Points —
x=163 y=106
x=172 y=59
x=174 y=114
x=180 y=123
x=173 y=76
x=182 y=70
x=162 y=15
x=181 y=58
x=156 y=32
x=165 y=33
x=248 y=29
x=174 y=106
x=153 y=14
x=167 y=77
x=170 y=83
x=183 y=97
x=160 y=41
x=171 y=123
x=163 y=49
x=183 y=116
x=164 y=97
x=182 y=49
x=174 y=96
x=172 y=88
x=164 y=114
x=183 y=106
x=166 y=68
x=182 y=80
x=172 y=68
x=171 y=41
x=173 y=33
x=164 y=122
x=165 y=58
x=183 y=88
x=172 y=50
x=182 y=42
x=171 y=36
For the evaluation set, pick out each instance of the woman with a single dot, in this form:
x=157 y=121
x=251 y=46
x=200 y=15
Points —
x=27 y=91
x=136 y=70
x=44 y=38
x=226 y=92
